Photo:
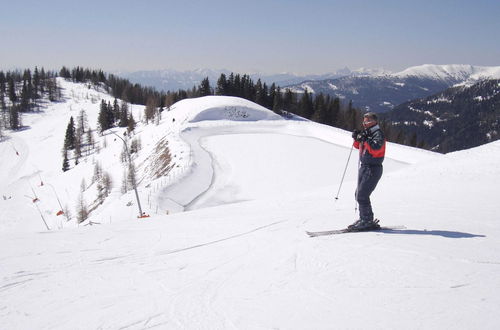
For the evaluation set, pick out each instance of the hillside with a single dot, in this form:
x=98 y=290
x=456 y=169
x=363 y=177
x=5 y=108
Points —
x=241 y=185
x=457 y=118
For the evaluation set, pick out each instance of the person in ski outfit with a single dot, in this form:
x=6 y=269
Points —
x=371 y=144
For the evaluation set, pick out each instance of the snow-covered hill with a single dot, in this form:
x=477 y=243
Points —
x=249 y=184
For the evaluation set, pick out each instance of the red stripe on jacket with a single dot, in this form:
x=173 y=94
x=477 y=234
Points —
x=375 y=153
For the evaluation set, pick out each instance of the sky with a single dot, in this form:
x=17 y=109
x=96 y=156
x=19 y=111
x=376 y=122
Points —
x=268 y=36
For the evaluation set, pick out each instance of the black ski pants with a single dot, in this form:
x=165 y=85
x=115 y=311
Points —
x=368 y=177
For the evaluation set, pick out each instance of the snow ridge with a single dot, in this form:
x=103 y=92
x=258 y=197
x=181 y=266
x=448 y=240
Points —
x=458 y=72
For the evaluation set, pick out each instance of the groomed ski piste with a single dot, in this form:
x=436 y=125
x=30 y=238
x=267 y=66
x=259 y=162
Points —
x=225 y=244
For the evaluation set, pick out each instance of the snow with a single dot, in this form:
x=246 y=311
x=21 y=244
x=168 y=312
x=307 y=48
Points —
x=439 y=100
x=308 y=88
x=249 y=184
x=463 y=72
x=428 y=123
x=333 y=87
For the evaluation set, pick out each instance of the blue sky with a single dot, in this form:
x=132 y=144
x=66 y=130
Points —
x=270 y=36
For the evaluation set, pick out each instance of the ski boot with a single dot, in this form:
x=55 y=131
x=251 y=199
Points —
x=361 y=225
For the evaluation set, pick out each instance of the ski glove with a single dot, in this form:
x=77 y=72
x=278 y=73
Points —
x=360 y=136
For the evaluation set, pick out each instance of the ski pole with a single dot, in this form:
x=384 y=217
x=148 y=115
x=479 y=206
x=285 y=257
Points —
x=343 y=175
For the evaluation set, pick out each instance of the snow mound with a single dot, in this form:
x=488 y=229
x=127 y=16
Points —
x=221 y=108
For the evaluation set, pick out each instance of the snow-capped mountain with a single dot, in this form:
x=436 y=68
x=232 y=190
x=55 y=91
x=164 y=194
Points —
x=451 y=73
x=250 y=183
x=381 y=93
x=458 y=118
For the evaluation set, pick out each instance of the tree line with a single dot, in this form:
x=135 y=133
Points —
x=23 y=92
x=320 y=108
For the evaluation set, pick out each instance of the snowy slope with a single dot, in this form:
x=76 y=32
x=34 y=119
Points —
x=238 y=257
x=32 y=161
x=451 y=72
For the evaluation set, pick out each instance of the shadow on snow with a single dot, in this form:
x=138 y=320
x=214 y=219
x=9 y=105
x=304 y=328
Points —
x=443 y=233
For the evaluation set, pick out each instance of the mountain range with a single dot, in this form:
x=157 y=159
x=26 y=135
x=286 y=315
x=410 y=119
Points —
x=381 y=93
x=375 y=90
x=173 y=80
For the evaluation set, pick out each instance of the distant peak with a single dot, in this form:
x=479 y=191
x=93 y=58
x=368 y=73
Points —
x=448 y=71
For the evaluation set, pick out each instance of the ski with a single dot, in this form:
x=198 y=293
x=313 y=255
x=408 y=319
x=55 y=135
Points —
x=347 y=230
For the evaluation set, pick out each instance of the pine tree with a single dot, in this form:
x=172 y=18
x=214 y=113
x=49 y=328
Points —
x=3 y=105
x=289 y=101
x=204 y=88
x=135 y=145
x=97 y=172
x=65 y=73
x=320 y=111
x=78 y=151
x=102 y=121
x=222 y=85
x=3 y=80
x=82 y=122
x=270 y=97
x=150 y=110
x=306 y=108
x=131 y=124
x=103 y=187
x=352 y=118
x=25 y=99
x=36 y=83
x=53 y=91
x=12 y=90
x=116 y=111
x=260 y=97
x=65 y=165
x=334 y=112
x=110 y=116
x=69 y=140
x=123 y=115
x=81 y=128
x=107 y=183
x=231 y=90
x=105 y=118
x=90 y=141
x=413 y=140
x=14 y=117
x=278 y=102
x=170 y=99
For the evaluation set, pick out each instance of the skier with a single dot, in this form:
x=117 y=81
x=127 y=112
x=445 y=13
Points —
x=371 y=144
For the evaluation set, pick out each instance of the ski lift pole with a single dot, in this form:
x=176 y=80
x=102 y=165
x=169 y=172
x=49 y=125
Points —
x=41 y=215
x=133 y=181
x=58 y=200
x=343 y=175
